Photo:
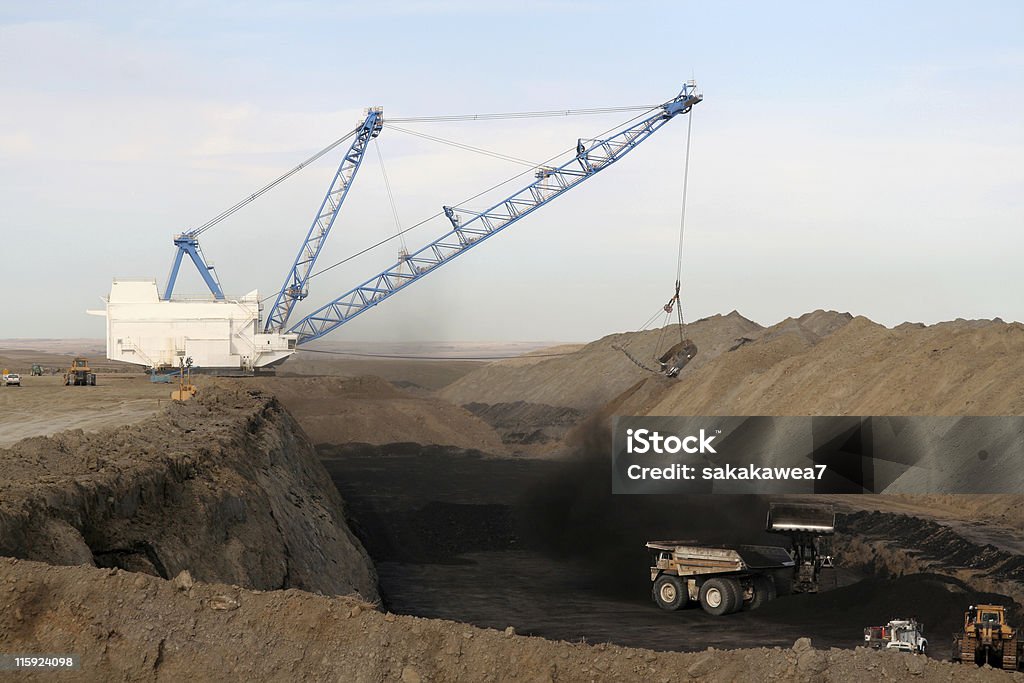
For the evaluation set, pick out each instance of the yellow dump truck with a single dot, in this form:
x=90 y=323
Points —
x=988 y=639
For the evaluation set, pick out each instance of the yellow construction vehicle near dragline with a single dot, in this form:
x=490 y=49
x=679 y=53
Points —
x=988 y=639
x=186 y=390
x=79 y=374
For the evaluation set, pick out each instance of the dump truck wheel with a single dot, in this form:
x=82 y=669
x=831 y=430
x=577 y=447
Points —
x=719 y=596
x=669 y=592
x=737 y=594
x=764 y=590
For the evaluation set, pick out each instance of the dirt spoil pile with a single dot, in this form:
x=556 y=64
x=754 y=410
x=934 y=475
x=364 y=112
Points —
x=369 y=410
x=594 y=374
x=410 y=372
x=862 y=368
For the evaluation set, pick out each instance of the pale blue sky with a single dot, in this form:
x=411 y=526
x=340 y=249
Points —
x=862 y=157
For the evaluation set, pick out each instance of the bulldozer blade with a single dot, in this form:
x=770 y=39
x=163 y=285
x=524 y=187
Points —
x=797 y=517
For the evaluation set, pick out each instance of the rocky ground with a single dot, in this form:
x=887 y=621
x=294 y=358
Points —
x=130 y=626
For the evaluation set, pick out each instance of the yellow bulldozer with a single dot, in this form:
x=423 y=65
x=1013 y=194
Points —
x=79 y=374
x=988 y=639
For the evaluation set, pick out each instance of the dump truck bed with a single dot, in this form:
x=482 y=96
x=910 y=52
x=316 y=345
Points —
x=688 y=559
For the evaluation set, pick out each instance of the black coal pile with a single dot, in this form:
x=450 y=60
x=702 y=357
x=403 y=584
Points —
x=572 y=514
x=936 y=542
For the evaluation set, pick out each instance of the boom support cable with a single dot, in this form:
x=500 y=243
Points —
x=524 y=114
x=195 y=232
x=470 y=227
x=468 y=148
x=476 y=196
x=391 y=197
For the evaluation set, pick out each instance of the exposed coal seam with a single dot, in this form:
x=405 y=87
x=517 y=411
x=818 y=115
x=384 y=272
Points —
x=934 y=542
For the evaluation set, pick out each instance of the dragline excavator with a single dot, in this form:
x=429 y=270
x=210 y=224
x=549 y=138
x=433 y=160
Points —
x=229 y=334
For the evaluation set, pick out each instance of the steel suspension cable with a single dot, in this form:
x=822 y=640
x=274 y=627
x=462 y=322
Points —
x=682 y=210
x=523 y=114
x=476 y=196
x=469 y=148
x=682 y=225
x=391 y=197
x=195 y=232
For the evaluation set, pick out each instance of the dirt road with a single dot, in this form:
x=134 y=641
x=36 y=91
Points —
x=43 y=406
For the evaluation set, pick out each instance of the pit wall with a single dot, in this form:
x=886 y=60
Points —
x=226 y=486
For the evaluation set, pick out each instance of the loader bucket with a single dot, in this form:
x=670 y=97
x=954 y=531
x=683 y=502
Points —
x=801 y=517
